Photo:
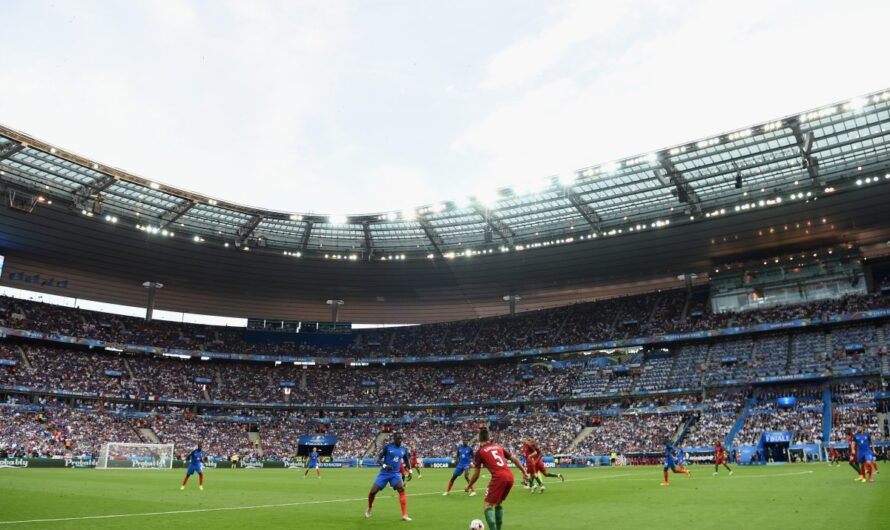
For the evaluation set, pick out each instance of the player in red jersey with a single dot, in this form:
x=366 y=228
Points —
x=851 y=456
x=531 y=454
x=720 y=458
x=833 y=457
x=406 y=475
x=415 y=465
x=494 y=458
x=540 y=469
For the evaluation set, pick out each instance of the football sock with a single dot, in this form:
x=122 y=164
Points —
x=716 y=468
x=371 y=500
x=855 y=466
x=451 y=483
x=186 y=479
x=200 y=480
x=317 y=472
x=499 y=516
x=868 y=469
x=665 y=475
x=490 y=518
x=403 y=501
x=727 y=468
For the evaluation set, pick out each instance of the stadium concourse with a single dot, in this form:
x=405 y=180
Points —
x=67 y=400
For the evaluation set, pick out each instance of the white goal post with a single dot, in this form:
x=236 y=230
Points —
x=117 y=455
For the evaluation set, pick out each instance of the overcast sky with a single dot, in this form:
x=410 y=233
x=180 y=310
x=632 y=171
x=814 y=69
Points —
x=358 y=107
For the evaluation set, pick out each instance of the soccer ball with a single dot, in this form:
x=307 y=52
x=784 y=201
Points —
x=477 y=524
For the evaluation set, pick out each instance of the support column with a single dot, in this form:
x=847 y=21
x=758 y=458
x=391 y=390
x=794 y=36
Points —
x=335 y=309
x=511 y=300
x=152 y=291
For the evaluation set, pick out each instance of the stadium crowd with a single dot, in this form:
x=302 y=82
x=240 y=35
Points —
x=616 y=318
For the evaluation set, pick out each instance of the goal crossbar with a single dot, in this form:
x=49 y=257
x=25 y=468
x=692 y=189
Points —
x=121 y=455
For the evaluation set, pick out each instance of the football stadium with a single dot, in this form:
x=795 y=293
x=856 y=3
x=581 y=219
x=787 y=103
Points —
x=695 y=336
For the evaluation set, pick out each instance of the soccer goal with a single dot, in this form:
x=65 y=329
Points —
x=116 y=455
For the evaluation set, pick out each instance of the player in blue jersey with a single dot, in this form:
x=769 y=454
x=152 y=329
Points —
x=312 y=463
x=670 y=462
x=681 y=459
x=391 y=459
x=864 y=454
x=195 y=460
x=463 y=461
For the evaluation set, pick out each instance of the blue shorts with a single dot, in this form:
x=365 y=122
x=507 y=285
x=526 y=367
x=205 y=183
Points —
x=391 y=478
x=313 y=464
x=459 y=470
x=195 y=469
x=866 y=457
x=669 y=463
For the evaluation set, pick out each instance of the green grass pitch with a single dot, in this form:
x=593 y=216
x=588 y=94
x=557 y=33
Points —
x=790 y=496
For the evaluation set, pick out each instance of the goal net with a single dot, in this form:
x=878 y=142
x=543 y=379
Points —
x=115 y=455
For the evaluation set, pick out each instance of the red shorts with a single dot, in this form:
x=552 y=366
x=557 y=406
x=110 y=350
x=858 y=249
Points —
x=720 y=459
x=498 y=488
x=540 y=467
x=414 y=464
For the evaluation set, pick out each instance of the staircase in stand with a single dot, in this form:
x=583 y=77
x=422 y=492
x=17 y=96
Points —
x=254 y=438
x=25 y=360
x=683 y=428
x=562 y=324
x=739 y=422
x=392 y=339
x=374 y=447
x=580 y=437
x=129 y=370
x=788 y=350
x=148 y=435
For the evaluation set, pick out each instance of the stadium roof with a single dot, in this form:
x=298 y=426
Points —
x=810 y=182
x=804 y=155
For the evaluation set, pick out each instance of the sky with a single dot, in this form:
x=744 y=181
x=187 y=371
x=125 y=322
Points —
x=341 y=107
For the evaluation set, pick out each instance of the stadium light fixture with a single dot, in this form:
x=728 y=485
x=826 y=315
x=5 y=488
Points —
x=487 y=198
x=154 y=186
x=610 y=167
x=856 y=104
x=337 y=220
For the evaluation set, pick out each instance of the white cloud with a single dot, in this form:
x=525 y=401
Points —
x=532 y=56
x=711 y=69
x=341 y=107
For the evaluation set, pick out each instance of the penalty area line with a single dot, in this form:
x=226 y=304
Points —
x=197 y=510
x=766 y=475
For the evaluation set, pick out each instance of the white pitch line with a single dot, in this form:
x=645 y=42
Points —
x=625 y=476
x=199 y=510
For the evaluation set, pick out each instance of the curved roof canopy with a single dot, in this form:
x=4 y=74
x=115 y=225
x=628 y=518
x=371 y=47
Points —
x=805 y=152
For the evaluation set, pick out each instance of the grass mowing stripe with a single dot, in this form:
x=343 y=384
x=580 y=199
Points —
x=624 y=476
x=201 y=510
